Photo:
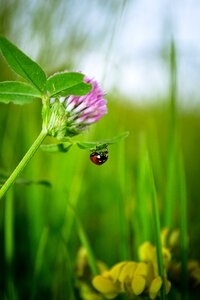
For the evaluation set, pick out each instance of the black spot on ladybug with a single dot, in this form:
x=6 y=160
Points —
x=99 y=158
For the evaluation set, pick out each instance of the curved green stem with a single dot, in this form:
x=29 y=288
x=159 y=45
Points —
x=25 y=160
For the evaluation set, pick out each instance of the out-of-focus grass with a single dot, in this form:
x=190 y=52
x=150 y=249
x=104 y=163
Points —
x=103 y=197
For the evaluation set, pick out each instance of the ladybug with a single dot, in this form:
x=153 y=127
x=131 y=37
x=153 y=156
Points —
x=99 y=157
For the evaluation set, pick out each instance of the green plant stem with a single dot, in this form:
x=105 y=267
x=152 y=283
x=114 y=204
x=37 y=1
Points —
x=86 y=244
x=183 y=229
x=25 y=160
x=157 y=230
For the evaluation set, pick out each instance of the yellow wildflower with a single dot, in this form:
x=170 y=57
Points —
x=84 y=276
x=138 y=285
x=106 y=286
x=132 y=278
x=155 y=287
x=170 y=238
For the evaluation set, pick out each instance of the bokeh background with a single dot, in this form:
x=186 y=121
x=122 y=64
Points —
x=146 y=56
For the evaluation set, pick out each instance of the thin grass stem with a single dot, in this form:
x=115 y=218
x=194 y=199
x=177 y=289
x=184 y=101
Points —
x=124 y=229
x=25 y=160
x=86 y=245
x=157 y=230
x=183 y=229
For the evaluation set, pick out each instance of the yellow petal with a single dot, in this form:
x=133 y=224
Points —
x=155 y=287
x=147 y=252
x=150 y=274
x=142 y=269
x=174 y=238
x=104 y=285
x=138 y=285
x=114 y=272
x=166 y=256
x=86 y=292
x=127 y=271
x=101 y=266
x=164 y=236
x=167 y=286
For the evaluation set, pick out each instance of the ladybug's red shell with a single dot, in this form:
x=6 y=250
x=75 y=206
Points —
x=99 y=158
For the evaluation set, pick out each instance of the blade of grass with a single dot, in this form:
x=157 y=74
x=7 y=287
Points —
x=171 y=171
x=143 y=191
x=72 y=200
x=9 y=244
x=123 y=224
x=173 y=85
x=9 y=227
x=39 y=259
x=170 y=193
x=41 y=250
x=85 y=242
x=183 y=229
x=157 y=230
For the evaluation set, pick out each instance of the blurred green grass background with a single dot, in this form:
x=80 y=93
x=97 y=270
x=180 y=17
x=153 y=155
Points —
x=35 y=261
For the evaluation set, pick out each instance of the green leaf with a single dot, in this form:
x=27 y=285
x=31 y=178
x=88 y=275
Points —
x=23 y=65
x=17 y=92
x=91 y=145
x=60 y=147
x=78 y=90
x=67 y=83
x=102 y=144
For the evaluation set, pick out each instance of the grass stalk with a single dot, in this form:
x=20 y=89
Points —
x=171 y=171
x=170 y=193
x=143 y=191
x=157 y=230
x=41 y=250
x=85 y=242
x=183 y=229
x=9 y=227
x=9 y=243
x=124 y=229
x=25 y=160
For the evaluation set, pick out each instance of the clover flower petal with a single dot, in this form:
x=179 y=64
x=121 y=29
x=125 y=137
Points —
x=85 y=110
x=71 y=115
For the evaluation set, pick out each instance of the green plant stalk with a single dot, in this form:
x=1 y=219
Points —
x=170 y=193
x=124 y=230
x=8 y=225
x=157 y=230
x=171 y=163
x=183 y=229
x=143 y=191
x=25 y=160
x=85 y=243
